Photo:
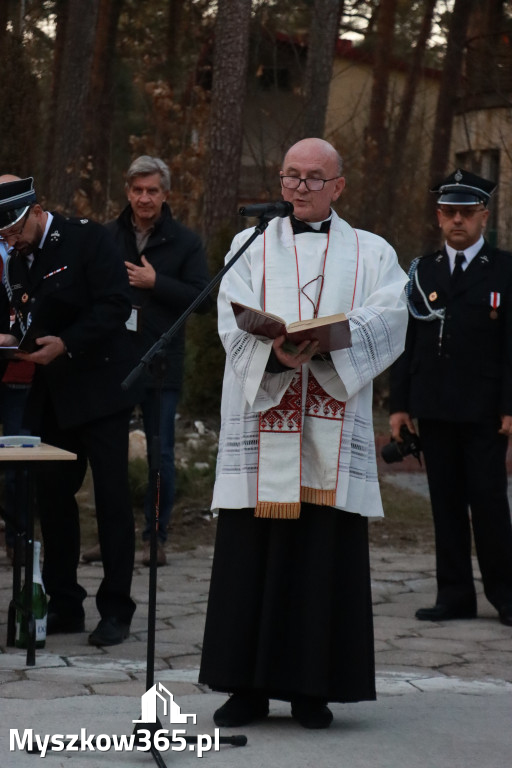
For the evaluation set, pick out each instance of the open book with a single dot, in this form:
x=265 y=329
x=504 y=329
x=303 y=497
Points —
x=332 y=332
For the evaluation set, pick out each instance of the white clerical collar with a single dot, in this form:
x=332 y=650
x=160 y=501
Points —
x=317 y=224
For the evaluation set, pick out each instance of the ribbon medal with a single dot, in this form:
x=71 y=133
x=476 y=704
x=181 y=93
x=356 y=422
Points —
x=495 y=300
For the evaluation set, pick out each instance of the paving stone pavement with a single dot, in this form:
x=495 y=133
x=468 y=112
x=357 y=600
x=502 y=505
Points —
x=444 y=689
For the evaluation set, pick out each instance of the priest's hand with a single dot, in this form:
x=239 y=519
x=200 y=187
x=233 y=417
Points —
x=291 y=356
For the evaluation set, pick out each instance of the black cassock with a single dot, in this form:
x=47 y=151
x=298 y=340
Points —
x=290 y=610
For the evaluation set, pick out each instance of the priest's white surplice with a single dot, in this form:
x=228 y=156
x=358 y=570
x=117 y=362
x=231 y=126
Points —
x=362 y=279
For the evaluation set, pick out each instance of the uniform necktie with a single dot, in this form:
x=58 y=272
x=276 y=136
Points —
x=460 y=258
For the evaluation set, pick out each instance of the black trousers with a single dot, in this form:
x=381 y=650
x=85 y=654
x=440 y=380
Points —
x=104 y=444
x=467 y=479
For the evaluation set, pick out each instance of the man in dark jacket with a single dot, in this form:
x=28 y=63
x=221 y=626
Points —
x=67 y=284
x=167 y=270
x=455 y=376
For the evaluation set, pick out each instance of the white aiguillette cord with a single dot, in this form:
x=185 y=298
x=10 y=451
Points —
x=432 y=314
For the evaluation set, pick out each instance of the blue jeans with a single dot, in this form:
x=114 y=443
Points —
x=169 y=404
x=12 y=407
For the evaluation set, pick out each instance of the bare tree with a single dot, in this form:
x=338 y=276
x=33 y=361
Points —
x=18 y=89
x=226 y=121
x=445 y=111
x=323 y=36
x=95 y=167
x=376 y=139
x=394 y=166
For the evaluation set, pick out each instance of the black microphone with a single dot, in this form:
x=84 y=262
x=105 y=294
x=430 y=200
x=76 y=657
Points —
x=268 y=210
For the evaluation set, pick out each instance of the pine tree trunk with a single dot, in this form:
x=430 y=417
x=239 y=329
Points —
x=323 y=37
x=226 y=120
x=70 y=101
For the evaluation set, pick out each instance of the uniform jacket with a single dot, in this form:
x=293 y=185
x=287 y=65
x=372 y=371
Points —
x=77 y=289
x=177 y=255
x=465 y=372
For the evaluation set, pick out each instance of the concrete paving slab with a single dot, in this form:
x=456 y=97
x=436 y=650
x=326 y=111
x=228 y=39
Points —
x=443 y=689
x=412 y=730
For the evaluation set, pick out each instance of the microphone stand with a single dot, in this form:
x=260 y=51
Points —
x=154 y=361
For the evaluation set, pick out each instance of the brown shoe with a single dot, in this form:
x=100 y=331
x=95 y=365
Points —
x=161 y=557
x=92 y=555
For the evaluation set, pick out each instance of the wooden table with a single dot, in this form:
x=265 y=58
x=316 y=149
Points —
x=25 y=458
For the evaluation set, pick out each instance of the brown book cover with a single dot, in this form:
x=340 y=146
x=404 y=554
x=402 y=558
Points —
x=332 y=331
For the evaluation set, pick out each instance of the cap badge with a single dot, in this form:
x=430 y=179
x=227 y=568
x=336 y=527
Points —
x=458 y=176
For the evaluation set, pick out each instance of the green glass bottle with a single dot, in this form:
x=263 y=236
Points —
x=39 y=607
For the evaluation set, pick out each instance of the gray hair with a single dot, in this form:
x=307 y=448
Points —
x=145 y=165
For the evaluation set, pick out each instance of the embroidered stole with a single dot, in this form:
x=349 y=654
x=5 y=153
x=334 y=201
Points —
x=300 y=439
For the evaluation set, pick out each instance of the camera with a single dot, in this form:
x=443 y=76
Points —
x=396 y=451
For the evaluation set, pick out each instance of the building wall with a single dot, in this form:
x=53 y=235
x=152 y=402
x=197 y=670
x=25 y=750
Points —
x=349 y=105
x=479 y=133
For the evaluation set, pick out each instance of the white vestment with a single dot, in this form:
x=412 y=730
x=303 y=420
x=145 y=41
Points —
x=362 y=279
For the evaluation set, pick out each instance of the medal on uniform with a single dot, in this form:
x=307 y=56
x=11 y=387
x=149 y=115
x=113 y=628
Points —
x=432 y=296
x=24 y=298
x=495 y=300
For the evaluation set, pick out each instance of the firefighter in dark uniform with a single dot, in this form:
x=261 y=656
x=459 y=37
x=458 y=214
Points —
x=455 y=377
x=68 y=285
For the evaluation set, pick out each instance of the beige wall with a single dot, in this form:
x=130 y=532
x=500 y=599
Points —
x=349 y=104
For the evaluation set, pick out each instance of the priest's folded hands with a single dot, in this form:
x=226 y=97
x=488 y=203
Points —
x=293 y=356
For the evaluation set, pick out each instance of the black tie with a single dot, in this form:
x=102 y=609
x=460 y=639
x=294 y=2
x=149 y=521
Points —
x=460 y=258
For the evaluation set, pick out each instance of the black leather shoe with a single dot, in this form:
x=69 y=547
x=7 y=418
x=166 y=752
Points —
x=241 y=709
x=505 y=615
x=311 y=712
x=444 y=613
x=56 y=624
x=110 y=631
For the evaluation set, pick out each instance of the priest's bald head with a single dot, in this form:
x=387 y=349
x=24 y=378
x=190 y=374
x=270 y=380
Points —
x=312 y=178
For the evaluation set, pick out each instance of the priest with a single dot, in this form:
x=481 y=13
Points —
x=289 y=612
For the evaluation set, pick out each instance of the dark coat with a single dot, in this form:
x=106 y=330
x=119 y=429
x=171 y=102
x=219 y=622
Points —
x=77 y=289
x=466 y=375
x=177 y=255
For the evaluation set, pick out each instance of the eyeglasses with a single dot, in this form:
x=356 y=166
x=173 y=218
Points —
x=466 y=212
x=5 y=236
x=313 y=185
